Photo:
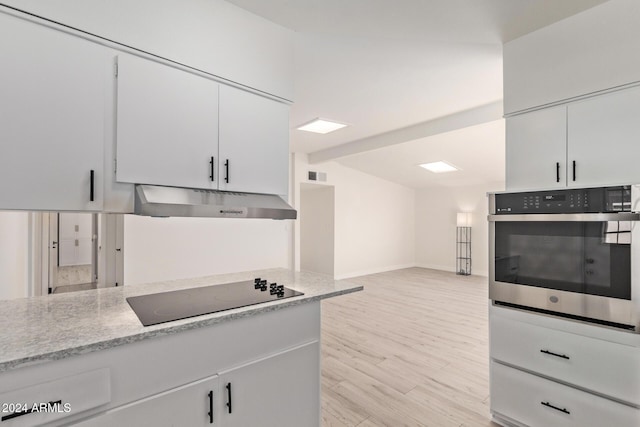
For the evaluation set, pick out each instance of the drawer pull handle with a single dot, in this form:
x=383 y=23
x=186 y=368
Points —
x=210 y=413
x=91 y=179
x=562 y=356
x=229 y=397
x=555 y=407
x=28 y=411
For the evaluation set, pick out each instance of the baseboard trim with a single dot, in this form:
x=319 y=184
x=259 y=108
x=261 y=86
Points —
x=437 y=267
x=372 y=271
x=482 y=273
x=400 y=267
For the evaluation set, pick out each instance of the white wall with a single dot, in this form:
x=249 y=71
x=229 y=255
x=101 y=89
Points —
x=436 y=210
x=374 y=220
x=14 y=254
x=317 y=236
x=157 y=249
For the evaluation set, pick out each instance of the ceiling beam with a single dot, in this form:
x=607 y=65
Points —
x=474 y=116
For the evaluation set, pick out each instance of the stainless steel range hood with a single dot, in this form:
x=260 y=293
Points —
x=153 y=200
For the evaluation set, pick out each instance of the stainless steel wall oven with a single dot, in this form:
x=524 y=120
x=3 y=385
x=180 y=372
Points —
x=571 y=252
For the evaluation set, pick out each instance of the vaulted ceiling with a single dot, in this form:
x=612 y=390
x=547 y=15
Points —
x=394 y=70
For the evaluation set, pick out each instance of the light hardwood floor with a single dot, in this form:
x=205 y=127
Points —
x=410 y=350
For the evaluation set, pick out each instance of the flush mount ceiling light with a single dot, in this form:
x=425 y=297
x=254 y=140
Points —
x=439 y=167
x=321 y=126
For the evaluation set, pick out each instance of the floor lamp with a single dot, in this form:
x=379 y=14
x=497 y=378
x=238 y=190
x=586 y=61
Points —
x=463 y=244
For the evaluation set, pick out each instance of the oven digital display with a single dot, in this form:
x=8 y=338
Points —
x=584 y=200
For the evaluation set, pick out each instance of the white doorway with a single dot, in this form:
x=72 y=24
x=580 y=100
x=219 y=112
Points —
x=317 y=228
x=75 y=251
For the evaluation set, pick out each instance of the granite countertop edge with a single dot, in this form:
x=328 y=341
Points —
x=170 y=328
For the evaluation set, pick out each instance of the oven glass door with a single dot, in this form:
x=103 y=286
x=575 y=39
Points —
x=586 y=257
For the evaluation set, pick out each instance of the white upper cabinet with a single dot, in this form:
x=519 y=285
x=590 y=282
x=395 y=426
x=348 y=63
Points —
x=214 y=36
x=254 y=143
x=536 y=149
x=167 y=121
x=586 y=143
x=76 y=131
x=179 y=129
x=51 y=118
x=604 y=139
x=585 y=53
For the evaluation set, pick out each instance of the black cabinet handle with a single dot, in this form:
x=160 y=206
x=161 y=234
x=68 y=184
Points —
x=229 y=396
x=574 y=170
x=210 y=413
x=211 y=169
x=226 y=170
x=562 y=356
x=549 y=405
x=557 y=171
x=28 y=411
x=91 y=186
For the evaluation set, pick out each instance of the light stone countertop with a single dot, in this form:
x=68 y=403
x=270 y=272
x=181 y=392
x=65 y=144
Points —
x=52 y=327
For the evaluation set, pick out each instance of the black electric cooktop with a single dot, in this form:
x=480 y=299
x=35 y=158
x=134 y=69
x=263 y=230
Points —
x=174 y=305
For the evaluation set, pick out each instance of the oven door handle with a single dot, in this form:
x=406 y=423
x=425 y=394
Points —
x=580 y=217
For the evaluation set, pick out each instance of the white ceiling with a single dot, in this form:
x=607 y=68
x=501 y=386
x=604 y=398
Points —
x=382 y=65
x=467 y=149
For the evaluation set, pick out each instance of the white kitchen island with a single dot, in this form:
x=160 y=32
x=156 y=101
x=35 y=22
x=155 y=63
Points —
x=85 y=359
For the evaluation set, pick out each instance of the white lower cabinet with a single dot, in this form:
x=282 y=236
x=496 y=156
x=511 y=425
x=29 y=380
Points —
x=50 y=402
x=270 y=362
x=191 y=405
x=594 y=364
x=547 y=371
x=282 y=390
x=277 y=391
x=522 y=399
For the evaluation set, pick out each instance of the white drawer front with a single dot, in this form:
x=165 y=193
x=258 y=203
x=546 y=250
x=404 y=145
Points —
x=536 y=402
x=608 y=368
x=59 y=398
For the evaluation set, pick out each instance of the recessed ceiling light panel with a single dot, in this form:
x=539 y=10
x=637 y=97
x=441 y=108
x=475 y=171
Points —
x=321 y=126
x=439 y=167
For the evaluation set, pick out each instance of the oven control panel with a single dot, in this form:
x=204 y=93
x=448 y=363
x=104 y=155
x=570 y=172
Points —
x=573 y=200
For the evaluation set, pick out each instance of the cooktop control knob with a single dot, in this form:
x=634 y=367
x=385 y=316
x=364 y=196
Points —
x=256 y=282
x=273 y=288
